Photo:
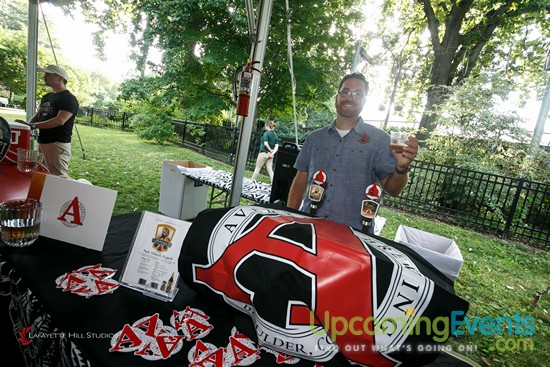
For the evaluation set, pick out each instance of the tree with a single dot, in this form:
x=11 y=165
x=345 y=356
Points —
x=477 y=134
x=13 y=14
x=205 y=42
x=468 y=36
x=13 y=61
x=92 y=89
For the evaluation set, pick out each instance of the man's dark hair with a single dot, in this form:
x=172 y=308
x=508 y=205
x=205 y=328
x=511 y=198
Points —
x=355 y=76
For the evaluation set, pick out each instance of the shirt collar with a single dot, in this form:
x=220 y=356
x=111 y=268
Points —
x=360 y=127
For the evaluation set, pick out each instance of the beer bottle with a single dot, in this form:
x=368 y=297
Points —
x=170 y=283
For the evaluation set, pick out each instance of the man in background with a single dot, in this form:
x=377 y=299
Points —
x=353 y=155
x=55 y=120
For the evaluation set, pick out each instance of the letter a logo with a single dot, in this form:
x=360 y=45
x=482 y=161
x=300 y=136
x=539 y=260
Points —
x=72 y=209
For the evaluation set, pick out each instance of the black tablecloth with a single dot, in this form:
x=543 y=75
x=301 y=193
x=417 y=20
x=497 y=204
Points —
x=40 y=264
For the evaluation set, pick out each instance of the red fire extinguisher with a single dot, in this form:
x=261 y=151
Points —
x=243 y=100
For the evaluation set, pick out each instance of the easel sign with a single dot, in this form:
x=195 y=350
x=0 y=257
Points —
x=152 y=263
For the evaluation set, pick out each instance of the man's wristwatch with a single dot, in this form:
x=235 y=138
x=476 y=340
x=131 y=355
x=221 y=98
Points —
x=400 y=171
x=33 y=125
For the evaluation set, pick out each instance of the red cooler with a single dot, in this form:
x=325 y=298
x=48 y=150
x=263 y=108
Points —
x=20 y=138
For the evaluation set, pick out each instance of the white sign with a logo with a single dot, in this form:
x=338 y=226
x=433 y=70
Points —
x=76 y=212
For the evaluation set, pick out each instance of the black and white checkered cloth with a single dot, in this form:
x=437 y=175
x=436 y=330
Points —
x=253 y=190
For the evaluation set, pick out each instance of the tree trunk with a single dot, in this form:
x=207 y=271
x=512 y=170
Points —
x=445 y=51
x=441 y=76
x=453 y=48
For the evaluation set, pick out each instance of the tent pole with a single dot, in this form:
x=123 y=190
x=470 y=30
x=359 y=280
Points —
x=257 y=54
x=32 y=60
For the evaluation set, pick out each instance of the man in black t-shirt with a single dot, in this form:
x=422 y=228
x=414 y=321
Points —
x=55 y=120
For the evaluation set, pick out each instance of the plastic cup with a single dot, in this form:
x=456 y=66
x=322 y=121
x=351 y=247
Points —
x=397 y=140
x=20 y=221
x=28 y=160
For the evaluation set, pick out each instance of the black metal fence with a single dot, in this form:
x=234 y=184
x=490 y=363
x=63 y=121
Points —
x=110 y=119
x=218 y=142
x=512 y=208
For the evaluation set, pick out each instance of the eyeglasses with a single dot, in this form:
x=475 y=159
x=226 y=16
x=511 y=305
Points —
x=347 y=93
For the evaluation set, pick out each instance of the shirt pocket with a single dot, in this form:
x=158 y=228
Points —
x=359 y=162
x=322 y=158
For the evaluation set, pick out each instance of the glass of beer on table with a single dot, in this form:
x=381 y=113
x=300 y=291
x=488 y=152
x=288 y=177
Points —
x=20 y=221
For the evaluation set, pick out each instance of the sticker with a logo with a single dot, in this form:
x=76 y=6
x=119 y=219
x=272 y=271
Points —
x=241 y=351
x=320 y=177
x=192 y=322
x=148 y=338
x=88 y=281
x=281 y=358
x=373 y=191
x=363 y=139
x=207 y=354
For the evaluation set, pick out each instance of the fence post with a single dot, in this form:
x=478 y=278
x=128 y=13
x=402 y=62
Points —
x=123 y=121
x=92 y=117
x=513 y=208
x=184 y=133
x=204 y=138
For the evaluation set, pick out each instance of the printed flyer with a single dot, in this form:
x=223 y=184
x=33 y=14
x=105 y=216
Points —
x=152 y=264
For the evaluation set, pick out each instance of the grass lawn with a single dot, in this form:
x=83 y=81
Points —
x=11 y=114
x=498 y=278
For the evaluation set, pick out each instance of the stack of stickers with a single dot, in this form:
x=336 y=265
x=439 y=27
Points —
x=150 y=339
x=88 y=281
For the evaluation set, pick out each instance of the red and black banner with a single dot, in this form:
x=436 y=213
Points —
x=318 y=290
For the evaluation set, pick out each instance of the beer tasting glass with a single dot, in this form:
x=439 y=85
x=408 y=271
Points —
x=397 y=140
x=20 y=221
x=28 y=160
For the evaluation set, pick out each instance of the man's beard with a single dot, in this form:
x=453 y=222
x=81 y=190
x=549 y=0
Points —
x=351 y=111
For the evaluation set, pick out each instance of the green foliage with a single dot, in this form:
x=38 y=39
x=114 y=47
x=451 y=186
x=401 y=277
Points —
x=476 y=134
x=205 y=43
x=286 y=133
x=13 y=62
x=91 y=88
x=13 y=15
x=144 y=90
x=154 y=123
x=315 y=118
x=465 y=39
x=537 y=166
x=13 y=59
x=321 y=116
x=205 y=111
